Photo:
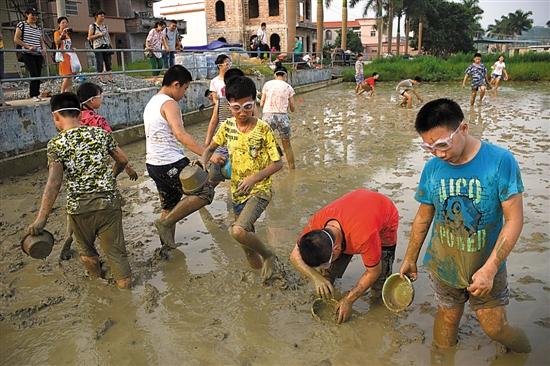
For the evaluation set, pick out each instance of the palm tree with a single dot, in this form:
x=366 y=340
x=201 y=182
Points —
x=389 y=22
x=415 y=9
x=344 y=34
x=320 y=25
x=399 y=13
x=476 y=11
x=291 y=22
x=376 y=5
x=519 y=21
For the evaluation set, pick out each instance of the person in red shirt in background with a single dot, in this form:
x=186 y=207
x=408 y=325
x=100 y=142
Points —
x=360 y=222
x=368 y=84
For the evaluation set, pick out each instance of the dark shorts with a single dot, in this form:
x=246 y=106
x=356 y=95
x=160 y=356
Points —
x=167 y=179
x=278 y=122
x=249 y=211
x=449 y=297
x=338 y=267
x=475 y=87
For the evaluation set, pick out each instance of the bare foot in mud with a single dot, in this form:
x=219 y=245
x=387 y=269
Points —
x=92 y=266
x=124 y=283
x=166 y=234
x=254 y=259
x=268 y=268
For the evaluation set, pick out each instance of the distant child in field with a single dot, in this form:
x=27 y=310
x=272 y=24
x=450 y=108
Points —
x=368 y=84
x=359 y=72
x=478 y=73
x=254 y=158
x=405 y=88
x=499 y=68
x=277 y=99
x=81 y=154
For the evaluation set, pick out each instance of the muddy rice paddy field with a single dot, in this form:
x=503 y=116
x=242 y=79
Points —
x=204 y=306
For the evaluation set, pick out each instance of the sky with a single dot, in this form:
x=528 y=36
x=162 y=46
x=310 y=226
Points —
x=493 y=9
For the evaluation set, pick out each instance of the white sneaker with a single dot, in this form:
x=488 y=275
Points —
x=36 y=99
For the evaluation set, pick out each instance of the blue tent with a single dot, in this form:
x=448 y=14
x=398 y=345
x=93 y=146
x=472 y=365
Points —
x=211 y=46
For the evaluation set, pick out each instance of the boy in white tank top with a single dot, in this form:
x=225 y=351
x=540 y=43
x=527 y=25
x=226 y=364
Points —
x=165 y=137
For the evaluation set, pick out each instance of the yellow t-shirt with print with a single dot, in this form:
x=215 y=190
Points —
x=249 y=152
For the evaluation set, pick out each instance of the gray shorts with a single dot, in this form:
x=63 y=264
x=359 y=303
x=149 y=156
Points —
x=449 y=297
x=249 y=211
x=279 y=122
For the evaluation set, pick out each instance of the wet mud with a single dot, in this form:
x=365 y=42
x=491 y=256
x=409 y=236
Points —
x=201 y=305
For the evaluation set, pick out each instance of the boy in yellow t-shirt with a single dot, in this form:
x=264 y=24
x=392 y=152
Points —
x=254 y=158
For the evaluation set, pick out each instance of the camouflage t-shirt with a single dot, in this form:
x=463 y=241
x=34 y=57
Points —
x=249 y=153
x=84 y=153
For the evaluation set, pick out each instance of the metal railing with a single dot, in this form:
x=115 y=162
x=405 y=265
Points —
x=197 y=67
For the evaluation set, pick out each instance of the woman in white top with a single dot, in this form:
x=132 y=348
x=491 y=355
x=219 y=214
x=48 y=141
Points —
x=499 y=68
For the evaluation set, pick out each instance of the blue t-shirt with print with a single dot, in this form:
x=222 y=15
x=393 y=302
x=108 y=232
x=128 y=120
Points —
x=477 y=73
x=468 y=210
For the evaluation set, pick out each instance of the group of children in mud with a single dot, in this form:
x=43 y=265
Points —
x=476 y=71
x=466 y=190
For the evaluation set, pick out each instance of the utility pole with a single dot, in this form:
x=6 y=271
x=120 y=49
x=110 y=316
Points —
x=60 y=8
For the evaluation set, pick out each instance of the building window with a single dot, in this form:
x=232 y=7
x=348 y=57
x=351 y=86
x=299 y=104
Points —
x=253 y=9
x=328 y=35
x=373 y=33
x=71 y=7
x=220 y=11
x=273 y=8
x=308 y=10
x=93 y=6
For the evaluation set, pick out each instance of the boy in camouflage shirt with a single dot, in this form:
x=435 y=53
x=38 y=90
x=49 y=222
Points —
x=93 y=202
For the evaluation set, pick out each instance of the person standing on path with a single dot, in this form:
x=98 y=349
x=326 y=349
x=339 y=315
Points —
x=93 y=200
x=165 y=157
x=29 y=36
x=360 y=222
x=156 y=40
x=262 y=40
x=478 y=73
x=173 y=43
x=98 y=36
x=277 y=99
x=62 y=39
x=468 y=189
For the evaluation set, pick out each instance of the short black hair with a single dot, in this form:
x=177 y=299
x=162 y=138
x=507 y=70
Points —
x=60 y=19
x=87 y=90
x=418 y=79
x=159 y=22
x=173 y=21
x=440 y=112
x=315 y=247
x=65 y=100
x=207 y=92
x=374 y=74
x=176 y=73
x=359 y=54
x=280 y=69
x=240 y=87
x=231 y=74
x=222 y=39
x=263 y=25
x=477 y=54
x=98 y=12
x=31 y=11
x=221 y=59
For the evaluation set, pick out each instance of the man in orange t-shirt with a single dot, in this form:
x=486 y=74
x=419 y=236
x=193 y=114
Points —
x=360 y=222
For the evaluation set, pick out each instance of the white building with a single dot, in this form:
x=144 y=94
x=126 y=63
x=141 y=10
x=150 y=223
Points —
x=192 y=12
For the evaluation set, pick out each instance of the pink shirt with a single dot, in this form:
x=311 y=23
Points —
x=277 y=93
x=91 y=118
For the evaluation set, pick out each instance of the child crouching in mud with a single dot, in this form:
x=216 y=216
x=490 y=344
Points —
x=93 y=201
x=254 y=158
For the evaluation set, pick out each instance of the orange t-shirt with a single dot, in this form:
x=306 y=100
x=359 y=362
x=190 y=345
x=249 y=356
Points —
x=368 y=219
x=65 y=65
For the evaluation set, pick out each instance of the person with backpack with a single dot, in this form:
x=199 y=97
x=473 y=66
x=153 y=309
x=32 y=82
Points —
x=29 y=37
x=98 y=36
x=173 y=43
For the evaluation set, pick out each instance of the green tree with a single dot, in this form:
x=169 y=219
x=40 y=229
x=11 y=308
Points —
x=414 y=15
x=377 y=6
x=353 y=41
x=475 y=11
x=512 y=24
x=448 y=28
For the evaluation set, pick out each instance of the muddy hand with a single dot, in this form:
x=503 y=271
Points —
x=131 y=173
x=408 y=268
x=246 y=185
x=323 y=287
x=36 y=227
x=344 y=310
x=217 y=158
x=268 y=268
x=482 y=282
x=66 y=250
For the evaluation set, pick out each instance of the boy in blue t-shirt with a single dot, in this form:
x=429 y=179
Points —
x=466 y=190
x=478 y=72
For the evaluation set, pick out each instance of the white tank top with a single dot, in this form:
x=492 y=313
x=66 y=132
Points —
x=161 y=145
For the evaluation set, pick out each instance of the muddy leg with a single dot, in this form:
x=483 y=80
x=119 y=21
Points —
x=442 y=356
x=166 y=224
x=473 y=97
x=251 y=242
x=446 y=326
x=66 y=250
x=495 y=325
x=289 y=153
x=92 y=266
x=481 y=93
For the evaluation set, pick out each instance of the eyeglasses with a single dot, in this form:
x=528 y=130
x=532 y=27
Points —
x=237 y=108
x=326 y=265
x=441 y=144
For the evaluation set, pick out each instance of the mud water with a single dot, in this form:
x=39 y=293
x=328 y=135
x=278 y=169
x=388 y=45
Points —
x=203 y=306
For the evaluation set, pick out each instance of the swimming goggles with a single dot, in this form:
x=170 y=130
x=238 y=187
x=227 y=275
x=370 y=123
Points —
x=237 y=108
x=441 y=144
x=326 y=265
x=91 y=98
x=66 y=109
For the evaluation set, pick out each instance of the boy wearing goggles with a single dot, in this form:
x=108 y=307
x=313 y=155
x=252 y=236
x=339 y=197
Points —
x=466 y=190
x=254 y=159
x=360 y=222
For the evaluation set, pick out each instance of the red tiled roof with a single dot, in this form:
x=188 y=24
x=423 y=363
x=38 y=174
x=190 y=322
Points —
x=351 y=24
